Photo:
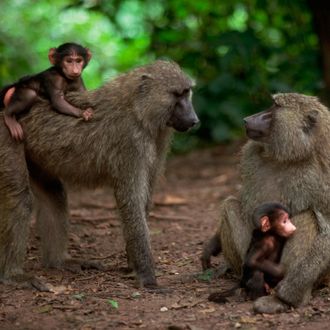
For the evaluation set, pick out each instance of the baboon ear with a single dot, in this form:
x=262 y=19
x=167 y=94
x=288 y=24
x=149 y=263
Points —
x=264 y=224
x=144 y=85
x=310 y=121
x=89 y=55
x=146 y=76
x=52 y=55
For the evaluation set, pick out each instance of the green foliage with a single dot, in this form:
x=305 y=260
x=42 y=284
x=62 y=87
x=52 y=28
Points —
x=206 y=276
x=113 y=303
x=79 y=296
x=238 y=51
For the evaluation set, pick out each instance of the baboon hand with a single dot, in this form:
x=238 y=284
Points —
x=87 y=114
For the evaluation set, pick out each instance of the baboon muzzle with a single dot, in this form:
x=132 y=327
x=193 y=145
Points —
x=258 y=125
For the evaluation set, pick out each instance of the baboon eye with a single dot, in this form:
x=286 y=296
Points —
x=312 y=118
x=310 y=121
x=181 y=93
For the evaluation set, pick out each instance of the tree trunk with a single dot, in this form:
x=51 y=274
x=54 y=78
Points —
x=321 y=17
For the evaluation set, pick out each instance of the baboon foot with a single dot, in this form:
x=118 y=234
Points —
x=149 y=283
x=24 y=281
x=288 y=293
x=269 y=305
x=77 y=265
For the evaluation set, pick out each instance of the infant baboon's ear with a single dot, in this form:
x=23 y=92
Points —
x=310 y=121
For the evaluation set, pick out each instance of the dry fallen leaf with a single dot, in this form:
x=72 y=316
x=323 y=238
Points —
x=170 y=200
x=59 y=289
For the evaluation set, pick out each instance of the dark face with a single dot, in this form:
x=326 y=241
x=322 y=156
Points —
x=258 y=126
x=72 y=66
x=183 y=115
x=283 y=225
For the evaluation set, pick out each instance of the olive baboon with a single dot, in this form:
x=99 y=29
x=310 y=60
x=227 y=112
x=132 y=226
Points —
x=124 y=145
x=287 y=159
x=261 y=268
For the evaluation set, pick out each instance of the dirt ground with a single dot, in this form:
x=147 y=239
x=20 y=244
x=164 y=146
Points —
x=183 y=217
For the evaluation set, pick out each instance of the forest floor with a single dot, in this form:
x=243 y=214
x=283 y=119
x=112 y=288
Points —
x=183 y=217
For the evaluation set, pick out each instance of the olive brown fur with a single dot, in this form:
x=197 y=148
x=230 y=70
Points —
x=124 y=146
x=287 y=160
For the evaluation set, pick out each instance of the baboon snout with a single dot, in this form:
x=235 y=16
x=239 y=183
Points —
x=258 y=125
x=183 y=121
x=194 y=121
x=190 y=121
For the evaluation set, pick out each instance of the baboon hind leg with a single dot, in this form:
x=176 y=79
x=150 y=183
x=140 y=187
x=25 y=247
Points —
x=52 y=220
x=15 y=213
x=52 y=225
x=235 y=234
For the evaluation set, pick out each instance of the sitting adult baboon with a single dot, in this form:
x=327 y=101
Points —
x=287 y=159
x=124 y=145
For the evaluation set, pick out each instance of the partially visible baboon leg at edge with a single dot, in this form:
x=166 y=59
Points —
x=15 y=207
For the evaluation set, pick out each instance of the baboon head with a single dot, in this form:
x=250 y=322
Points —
x=292 y=129
x=164 y=87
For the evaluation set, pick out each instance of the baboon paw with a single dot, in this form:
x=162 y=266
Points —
x=269 y=305
x=26 y=281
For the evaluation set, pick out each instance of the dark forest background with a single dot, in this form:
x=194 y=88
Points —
x=239 y=52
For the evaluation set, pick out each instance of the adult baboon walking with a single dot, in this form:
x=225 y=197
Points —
x=124 y=145
x=287 y=159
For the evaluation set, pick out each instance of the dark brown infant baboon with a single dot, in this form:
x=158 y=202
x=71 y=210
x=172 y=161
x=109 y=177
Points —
x=123 y=145
x=287 y=159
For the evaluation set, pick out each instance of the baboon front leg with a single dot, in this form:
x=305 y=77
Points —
x=132 y=204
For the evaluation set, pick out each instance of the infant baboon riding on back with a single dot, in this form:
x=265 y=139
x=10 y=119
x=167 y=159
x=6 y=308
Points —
x=287 y=159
